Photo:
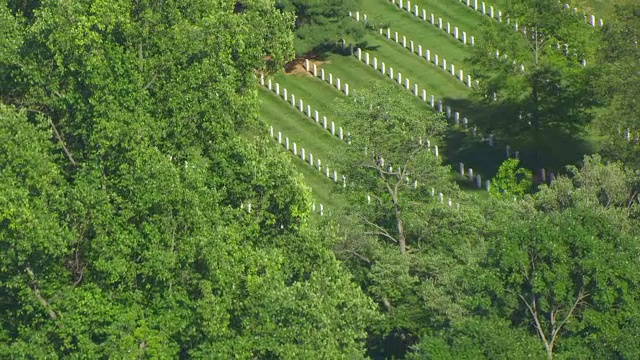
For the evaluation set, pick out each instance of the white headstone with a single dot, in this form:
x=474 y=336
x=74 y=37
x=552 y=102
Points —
x=420 y=50
x=295 y=149
x=444 y=64
x=390 y=72
x=302 y=154
x=432 y=101
x=415 y=89
x=448 y=28
x=286 y=143
x=330 y=78
x=396 y=36
x=453 y=70
x=435 y=150
x=322 y=74
x=375 y=63
x=284 y=94
x=411 y=46
x=431 y=19
x=324 y=122
x=440 y=23
x=359 y=54
x=406 y=84
x=315 y=70
x=399 y=78
x=301 y=105
x=491 y=11
x=316 y=116
x=464 y=37
x=279 y=137
x=424 y=95
x=460 y=75
x=478 y=181
x=333 y=128
x=461 y=168
x=269 y=84
x=470 y=174
x=338 y=86
x=435 y=59
x=382 y=68
x=440 y=106
x=306 y=64
x=309 y=110
x=340 y=133
x=427 y=55
x=455 y=32
x=424 y=15
x=262 y=79
x=404 y=41
x=366 y=58
x=346 y=89
x=293 y=100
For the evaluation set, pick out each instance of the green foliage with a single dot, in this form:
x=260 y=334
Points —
x=125 y=182
x=321 y=23
x=545 y=106
x=511 y=180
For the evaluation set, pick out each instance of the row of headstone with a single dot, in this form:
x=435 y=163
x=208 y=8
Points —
x=315 y=163
x=450 y=68
x=484 y=9
x=497 y=15
x=589 y=19
x=428 y=56
x=475 y=179
x=326 y=76
x=291 y=98
x=628 y=134
x=452 y=115
x=319 y=208
x=451 y=30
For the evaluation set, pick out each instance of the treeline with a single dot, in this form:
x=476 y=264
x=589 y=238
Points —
x=130 y=148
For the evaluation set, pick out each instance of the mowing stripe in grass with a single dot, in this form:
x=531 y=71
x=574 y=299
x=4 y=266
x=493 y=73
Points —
x=416 y=49
x=382 y=14
x=462 y=36
x=450 y=12
x=299 y=129
x=320 y=96
x=436 y=81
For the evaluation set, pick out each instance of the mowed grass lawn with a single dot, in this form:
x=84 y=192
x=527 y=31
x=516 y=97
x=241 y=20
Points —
x=435 y=80
x=315 y=92
x=300 y=129
x=430 y=35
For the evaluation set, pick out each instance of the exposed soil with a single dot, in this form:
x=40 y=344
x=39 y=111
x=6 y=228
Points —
x=296 y=67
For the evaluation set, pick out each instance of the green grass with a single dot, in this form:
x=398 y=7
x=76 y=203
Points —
x=431 y=37
x=315 y=92
x=299 y=129
x=434 y=79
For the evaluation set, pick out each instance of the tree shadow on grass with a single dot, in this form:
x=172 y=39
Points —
x=557 y=147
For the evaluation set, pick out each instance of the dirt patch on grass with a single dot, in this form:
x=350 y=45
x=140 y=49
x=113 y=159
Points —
x=296 y=67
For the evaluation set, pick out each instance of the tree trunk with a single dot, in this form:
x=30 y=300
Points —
x=401 y=239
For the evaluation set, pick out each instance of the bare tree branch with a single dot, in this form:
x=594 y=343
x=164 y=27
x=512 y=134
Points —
x=36 y=291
